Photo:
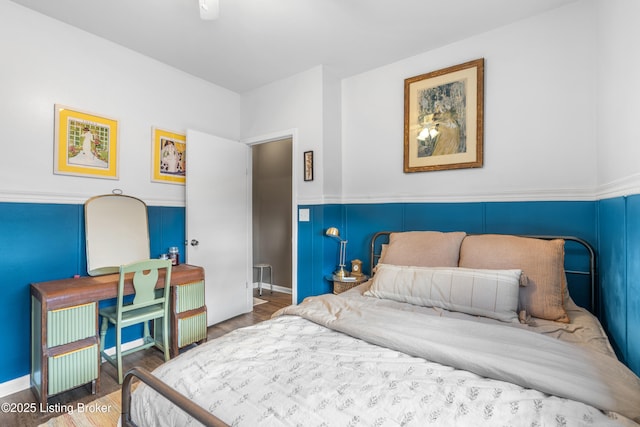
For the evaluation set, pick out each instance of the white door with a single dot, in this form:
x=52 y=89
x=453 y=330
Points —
x=217 y=220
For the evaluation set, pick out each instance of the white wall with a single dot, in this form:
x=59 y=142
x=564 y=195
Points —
x=618 y=59
x=294 y=103
x=47 y=62
x=560 y=115
x=560 y=111
x=540 y=111
x=332 y=138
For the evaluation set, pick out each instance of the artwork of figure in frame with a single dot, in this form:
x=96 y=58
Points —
x=308 y=165
x=443 y=121
x=85 y=144
x=169 y=156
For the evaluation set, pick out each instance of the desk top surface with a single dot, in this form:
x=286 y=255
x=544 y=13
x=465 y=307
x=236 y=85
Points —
x=85 y=289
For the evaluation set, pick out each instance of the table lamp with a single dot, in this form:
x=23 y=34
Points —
x=333 y=232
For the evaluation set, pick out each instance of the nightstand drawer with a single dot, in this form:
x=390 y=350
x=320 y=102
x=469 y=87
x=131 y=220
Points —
x=71 y=324
x=72 y=369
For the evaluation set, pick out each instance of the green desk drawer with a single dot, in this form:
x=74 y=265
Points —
x=192 y=329
x=70 y=370
x=189 y=296
x=71 y=324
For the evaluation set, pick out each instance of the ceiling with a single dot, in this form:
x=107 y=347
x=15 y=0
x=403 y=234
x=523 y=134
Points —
x=255 y=42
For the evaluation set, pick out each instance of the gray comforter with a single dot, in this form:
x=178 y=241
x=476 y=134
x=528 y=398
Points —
x=510 y=354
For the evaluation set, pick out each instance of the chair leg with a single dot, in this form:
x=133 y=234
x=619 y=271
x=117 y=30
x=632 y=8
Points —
x=103 y=333
x=260 y=282
x=271 y=278
x=165 y=337
x=119 y=352
x=147 y=338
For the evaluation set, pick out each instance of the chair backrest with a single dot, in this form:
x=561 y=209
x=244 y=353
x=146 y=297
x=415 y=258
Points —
x=145 y=277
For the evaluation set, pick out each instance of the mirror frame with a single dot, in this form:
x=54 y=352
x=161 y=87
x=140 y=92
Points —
x=116 y=232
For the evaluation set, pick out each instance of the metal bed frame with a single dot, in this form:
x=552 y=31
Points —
x=197 y=412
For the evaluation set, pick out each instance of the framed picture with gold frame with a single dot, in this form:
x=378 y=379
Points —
x=85 y=144
x=444 y=118
x=168 y=156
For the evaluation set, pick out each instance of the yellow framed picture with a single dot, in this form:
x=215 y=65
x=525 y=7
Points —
x=85 y=144
x=168 y=156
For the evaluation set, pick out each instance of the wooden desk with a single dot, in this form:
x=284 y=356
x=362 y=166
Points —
x=65 y=331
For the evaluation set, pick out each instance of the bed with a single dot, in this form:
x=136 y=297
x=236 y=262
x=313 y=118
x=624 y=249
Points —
x=420 y=343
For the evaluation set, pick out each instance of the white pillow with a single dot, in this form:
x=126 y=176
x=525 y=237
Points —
x=488 y=293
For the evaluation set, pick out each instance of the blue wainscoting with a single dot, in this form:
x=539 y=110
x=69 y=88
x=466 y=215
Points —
x=359 y=222
x=619 y=250
x=42 y=242
x=631 y=344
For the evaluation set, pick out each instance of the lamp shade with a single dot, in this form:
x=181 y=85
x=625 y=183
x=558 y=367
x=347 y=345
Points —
x=333 y=232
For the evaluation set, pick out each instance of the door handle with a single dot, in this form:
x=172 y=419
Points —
x=194 y=242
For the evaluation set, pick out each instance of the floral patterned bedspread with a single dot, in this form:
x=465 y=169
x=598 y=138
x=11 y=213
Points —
x=290 y=371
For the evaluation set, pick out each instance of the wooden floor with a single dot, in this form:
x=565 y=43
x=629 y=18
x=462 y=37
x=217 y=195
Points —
x=148 y=359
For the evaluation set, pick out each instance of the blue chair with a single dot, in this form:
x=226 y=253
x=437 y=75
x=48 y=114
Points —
x=148 y=304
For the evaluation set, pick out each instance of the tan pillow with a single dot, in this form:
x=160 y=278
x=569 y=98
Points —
x=423 y=249
x=541 y=260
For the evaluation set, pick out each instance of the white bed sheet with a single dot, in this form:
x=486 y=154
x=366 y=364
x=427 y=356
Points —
x=290 y=371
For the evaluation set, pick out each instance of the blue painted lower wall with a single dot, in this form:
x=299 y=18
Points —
x=359 y=222
x=42 y=242
x=619 y=266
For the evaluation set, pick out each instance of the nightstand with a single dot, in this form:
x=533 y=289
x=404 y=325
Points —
x=344 y=284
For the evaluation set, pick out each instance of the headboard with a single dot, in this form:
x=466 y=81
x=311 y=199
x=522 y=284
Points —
x=588 y=252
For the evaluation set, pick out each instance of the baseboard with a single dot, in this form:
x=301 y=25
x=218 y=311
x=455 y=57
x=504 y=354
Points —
x=276 y=288
x=15 y=385
x=23 y=383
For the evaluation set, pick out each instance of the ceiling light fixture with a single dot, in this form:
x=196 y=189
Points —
x=209 y=9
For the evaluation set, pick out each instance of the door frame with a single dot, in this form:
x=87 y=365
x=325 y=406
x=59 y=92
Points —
x=296 y=171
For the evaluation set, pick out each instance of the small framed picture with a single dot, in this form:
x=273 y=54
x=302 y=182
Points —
x=85 y=144
x=308 y=165
x=168 y=156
